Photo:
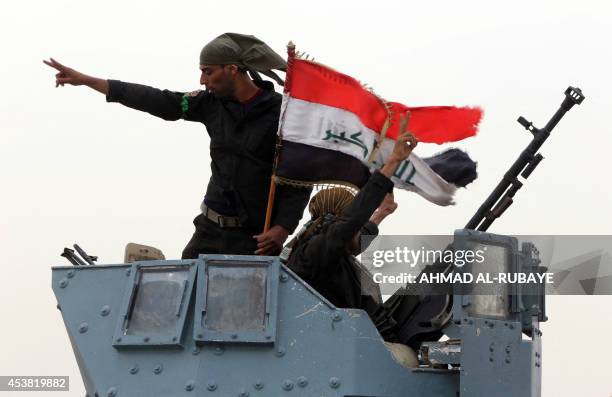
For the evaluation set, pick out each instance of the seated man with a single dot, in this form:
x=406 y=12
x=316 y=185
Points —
x=323 y=254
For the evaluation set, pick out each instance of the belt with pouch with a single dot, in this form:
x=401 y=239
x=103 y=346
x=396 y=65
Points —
x=221 y=220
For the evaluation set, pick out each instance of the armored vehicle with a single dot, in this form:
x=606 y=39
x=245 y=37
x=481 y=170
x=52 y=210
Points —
x=224 y=325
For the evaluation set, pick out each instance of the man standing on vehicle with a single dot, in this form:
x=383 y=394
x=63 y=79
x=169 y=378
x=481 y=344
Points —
x=240 y=112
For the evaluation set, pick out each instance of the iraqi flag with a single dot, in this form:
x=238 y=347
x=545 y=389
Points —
x=331 y=132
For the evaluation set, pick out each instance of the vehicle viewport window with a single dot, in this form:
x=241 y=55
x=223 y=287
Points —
x=157 y=301
x=490 y=300
x=236 y=299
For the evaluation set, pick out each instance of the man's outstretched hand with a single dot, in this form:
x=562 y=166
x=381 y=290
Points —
x=271 y=242
x=386 y=208
x=70 y=76
x=404 y=145
x=405 y=142
x=65 y=74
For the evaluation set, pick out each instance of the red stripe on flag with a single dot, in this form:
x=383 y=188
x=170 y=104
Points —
x=316 y=83
x=319 y=84
x=436 y=124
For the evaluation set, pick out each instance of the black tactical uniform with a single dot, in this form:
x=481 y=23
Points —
x=242 y=142
x=324 y=262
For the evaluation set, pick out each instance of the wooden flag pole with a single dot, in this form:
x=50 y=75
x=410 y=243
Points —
x=271 y=195
x=272 y=191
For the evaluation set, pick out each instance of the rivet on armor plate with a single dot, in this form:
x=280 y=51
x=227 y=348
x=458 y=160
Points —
x=287 y=385
x=190 y=385
x=302 y=381
x=105 y=310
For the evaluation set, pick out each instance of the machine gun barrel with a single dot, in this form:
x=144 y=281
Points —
x=72 y=257
x=90 y=259
x=525 y=163
x=83 y=260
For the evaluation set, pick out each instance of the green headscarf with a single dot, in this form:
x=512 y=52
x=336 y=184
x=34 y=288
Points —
x=243 y=50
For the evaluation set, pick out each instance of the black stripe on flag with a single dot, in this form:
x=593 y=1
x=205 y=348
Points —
x=313 y=164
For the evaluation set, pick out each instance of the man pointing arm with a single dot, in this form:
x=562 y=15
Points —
x=240 y=112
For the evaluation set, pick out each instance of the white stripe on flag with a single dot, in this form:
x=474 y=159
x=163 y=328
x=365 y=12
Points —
x=326 y=127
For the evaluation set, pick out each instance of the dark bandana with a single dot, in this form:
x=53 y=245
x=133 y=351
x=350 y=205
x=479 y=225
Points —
x=243 y=50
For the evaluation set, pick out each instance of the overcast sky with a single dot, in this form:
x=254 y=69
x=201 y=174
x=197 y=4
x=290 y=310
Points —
x=75 y=169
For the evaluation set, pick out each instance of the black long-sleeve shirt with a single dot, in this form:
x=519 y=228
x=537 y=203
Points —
x=324 y=262
x=242 y=146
